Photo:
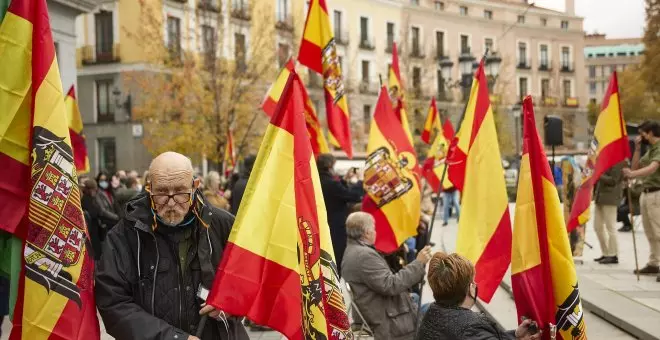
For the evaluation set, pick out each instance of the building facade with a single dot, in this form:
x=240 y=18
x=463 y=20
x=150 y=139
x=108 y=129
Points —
x=603 y=56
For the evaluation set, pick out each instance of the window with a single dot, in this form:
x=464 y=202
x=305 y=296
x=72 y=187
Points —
x=208 y=40
x=390 y=36
x=239 y=51
x=417 y=78
x=465 y=44
x=592 y=71
x=366 y=117
x=107 y=154
x=592 y=101
x=544 y=22
x=545 y=62
x=522 y=87
x=239 y=5
x=441 y=85
x=337 y=23
x=567 y=89
x=545 y=88
x=564 y=25
x=439 y=6
x=415 y=41
x=488 y=14
x=439 y=44
x=488 y=44
x=364 y=30
x=282 y=10
x=522 y=54
x=464 y=11
x=282 y=54
x=592 y=87
x=414 y=2
x=365 y=71
x=566 y=58
x=521 y=19
x=174 y=37
x=104 y=37
x=104 y=109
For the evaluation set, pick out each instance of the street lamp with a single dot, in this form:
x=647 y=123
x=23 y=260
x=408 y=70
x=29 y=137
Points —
x=517 y=111
x=127 y=105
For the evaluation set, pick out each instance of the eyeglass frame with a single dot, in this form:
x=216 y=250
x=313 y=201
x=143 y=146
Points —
x=170 y=196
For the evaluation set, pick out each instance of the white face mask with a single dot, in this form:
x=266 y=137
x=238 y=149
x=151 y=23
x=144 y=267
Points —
x=353 y=180
x=139 y=187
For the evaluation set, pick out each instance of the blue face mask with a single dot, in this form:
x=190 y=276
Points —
x=103 y=184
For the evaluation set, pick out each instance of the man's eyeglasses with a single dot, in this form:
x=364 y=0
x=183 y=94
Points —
x=181 y=197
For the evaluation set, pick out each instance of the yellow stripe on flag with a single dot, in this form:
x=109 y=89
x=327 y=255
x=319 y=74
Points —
x=608 y=125
x=527 y=254
x=73 y=113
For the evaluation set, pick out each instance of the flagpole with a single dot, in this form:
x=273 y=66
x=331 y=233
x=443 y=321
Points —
x=632 y=222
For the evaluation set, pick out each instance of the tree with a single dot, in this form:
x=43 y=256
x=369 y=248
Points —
x=637 y=100
x=216 y=83
x=651 y=39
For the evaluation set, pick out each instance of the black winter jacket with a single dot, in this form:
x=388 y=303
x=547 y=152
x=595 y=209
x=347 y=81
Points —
x=457 y=323
x=143 y=292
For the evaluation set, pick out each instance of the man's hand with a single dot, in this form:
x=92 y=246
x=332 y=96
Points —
x=638 y=142
x=210 y=310
x=190 y=337
x=627 y=173
x=523 y=332
x=424 y=255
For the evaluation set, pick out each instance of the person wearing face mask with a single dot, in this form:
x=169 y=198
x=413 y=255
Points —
x=647 y=168
x=154 y=260
x=337 y=197
x=105 y=200
x=450 y=317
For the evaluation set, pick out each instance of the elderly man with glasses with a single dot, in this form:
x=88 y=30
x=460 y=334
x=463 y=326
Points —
x=157 y=257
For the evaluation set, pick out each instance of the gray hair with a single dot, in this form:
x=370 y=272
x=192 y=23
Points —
x=213 y=177
x=358 y=223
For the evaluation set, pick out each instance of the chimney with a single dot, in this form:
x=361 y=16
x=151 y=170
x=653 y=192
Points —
x=570 y=7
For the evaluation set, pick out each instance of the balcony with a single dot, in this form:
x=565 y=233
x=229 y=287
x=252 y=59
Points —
x=466 y=54
x=417 y=53
x=524 y=64
x=208 y=5
x=241 y=13
x=443 y=96
x=180 y=1
x=92 y=54
x=548 y=101
x=419 y=93
x=341 y=37
x=367 y=43
x=389 y=45
x=367 y=87
x=284 y=23
x=545 y=66
x=567 y=67
x=571 y=102
x=441 y=55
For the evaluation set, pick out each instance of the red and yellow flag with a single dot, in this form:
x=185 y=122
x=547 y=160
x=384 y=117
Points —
x=609 y=146
x=229 y=158
x=38 y=183
x=319 y=52
x=397 y=93
x=484 y=229
x=432 y=122
x=391 y=179
x=435 y=163
x=316 y=136
x=278 y=267
x=543 y=277
x=76 y=132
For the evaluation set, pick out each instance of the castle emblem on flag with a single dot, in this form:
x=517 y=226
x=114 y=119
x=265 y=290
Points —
x=383 y=177
x=332 y=71
x=56 y=237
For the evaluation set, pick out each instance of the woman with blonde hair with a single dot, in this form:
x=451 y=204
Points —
x=451 y=277
x=212 y=191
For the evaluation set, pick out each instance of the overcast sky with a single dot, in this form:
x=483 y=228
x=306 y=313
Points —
x=616 y=18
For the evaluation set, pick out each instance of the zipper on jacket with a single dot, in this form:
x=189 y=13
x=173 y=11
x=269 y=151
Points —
x=178 y=270
x=153 y=284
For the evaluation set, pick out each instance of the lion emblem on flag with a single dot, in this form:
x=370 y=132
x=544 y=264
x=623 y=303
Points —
x=570 y=315
x=56 y=233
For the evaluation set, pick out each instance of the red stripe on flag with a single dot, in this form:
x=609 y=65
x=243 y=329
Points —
x=269 y=106
x=311 y=56
x=456 y=160
x=385 y=239
x=79 y=150
x=395 y=66
x=493 y=262
x=526 y=284
x=14 y=194
x=482 y=104
x=448 y=130
x=426 y=136
x=72 y=92
x=241 y=292
x=612 y=88
x=339 y=125
x=430 y=175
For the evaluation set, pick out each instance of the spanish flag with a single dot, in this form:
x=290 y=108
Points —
x=544 y=283
x=432 y=122
x=609 y=146
x=484 y=229
x=318 y=51
x=38 y=184
x=316 y=136
x=76 y=132
x=397 y=93
x=229 y=159
x=435 y=163
x=391 y=179
x=278 y=267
